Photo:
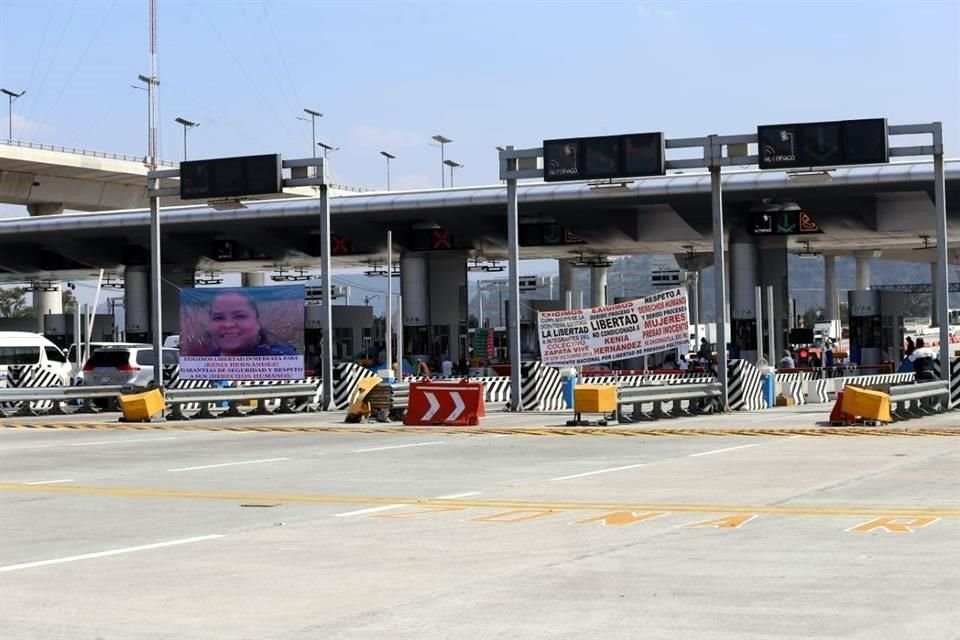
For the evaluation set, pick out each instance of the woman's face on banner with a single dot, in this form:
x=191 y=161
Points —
x=234 y=324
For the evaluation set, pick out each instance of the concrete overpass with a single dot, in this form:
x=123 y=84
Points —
x=49 y=179
x=886 y=208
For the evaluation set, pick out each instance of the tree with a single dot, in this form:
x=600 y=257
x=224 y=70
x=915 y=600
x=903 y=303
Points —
x=13 y=303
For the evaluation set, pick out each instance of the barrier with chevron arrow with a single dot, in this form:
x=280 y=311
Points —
x=457 y=404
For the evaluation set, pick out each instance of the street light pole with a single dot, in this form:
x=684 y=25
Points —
x=443 y=140
x=187 y=125
x=326 y=319
x=388 y=157
x=156 y=310
x=453 y=165
x=11 y=96
x=327 y=148
x=152 y=82
x=313 y=128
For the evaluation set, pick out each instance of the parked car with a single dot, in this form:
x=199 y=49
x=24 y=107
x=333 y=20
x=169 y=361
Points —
x=24 y=348
x=125 y=366
x=72 y=353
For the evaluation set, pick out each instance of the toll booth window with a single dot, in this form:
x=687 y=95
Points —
x=866 y=331
x=343 y=343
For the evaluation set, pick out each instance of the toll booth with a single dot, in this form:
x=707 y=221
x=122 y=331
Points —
x=876 y=326
x=743 y=340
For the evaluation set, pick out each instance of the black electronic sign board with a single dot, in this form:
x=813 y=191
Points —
x=231 y=177
x=621 y=156
x=823 y=144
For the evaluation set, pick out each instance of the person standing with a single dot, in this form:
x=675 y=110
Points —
x=786 y=362
x=446 y=367
x=422 y=369
x=704 y=352
x=922 y=359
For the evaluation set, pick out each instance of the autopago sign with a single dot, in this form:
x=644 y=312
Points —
x=614 y=332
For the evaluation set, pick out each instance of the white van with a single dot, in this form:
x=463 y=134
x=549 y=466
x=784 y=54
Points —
x=23 y=348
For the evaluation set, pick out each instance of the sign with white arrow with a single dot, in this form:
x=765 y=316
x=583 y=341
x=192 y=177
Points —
x=446 y=403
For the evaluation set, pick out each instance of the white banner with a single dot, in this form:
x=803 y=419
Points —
x=241 y=368
x=614 y=332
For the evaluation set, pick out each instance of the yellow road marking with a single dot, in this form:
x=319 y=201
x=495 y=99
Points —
x=894 y=525
x=730 y=522
x=621 y=518
x=515 y=515
x=249 y=497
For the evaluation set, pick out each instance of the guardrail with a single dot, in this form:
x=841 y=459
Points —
x=27 y=396
x=176 y=398
x=389 y=401
x=85 y=152
x=918 y=400
x=702 y=398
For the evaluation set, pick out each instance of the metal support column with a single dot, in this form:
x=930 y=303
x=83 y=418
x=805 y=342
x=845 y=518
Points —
x=399 y=339
x=831 y=309
x=388 y=339
x=713 y=152
x=693 y=285
x=326 y=319
x=758 y=304
x=156 y=322
x=771 y=330
x=942 y=281
x=513 y=330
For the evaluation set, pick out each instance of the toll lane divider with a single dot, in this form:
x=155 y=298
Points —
x=702 y=398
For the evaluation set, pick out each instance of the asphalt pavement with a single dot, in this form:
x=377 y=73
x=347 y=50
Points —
x=148 y=534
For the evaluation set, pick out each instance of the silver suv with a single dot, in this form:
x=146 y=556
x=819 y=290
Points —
x=125 y=366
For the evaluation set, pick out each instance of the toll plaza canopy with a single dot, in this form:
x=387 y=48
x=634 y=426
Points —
x=886 y=208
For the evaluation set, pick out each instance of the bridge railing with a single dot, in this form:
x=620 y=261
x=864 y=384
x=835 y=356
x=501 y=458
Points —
x=84 y=152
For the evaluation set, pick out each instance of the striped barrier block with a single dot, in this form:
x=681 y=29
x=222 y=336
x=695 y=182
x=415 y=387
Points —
x=817 y=391
x=744 y=388
x=346 y=375
x=28 y=376
x=793 y=385
x=541 y=388
x=954 y=380
x=866 y=381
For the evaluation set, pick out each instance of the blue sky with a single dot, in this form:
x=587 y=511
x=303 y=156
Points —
x=388 y=75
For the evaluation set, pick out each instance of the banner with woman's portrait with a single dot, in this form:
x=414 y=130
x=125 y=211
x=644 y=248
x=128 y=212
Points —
x=242 y=333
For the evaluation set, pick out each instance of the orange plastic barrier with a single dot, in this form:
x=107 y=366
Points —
x=837 y=416
x=454 y=404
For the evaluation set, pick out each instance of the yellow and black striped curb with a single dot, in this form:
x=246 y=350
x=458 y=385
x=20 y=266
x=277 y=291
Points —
x=476 y=431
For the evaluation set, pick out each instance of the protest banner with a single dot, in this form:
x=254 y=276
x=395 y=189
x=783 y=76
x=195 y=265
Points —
x=248 y=333
x=614 y=332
